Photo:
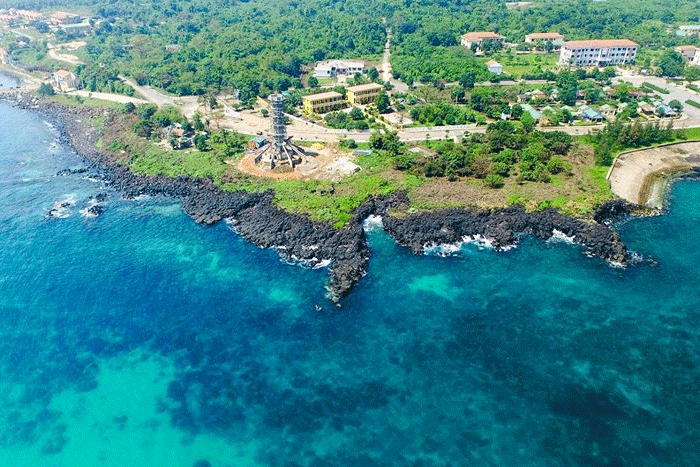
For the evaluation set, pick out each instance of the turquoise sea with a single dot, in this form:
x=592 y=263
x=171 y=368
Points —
x=138 y=338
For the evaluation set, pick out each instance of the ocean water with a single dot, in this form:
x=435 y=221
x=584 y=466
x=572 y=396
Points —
x=139 y=338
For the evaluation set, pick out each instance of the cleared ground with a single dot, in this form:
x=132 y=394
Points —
x=635 y=175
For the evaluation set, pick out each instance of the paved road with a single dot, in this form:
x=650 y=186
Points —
x=680 y=93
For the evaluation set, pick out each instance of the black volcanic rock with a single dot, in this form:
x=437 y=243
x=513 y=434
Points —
x=613 y=210
x=296 y=237
x=503 y=228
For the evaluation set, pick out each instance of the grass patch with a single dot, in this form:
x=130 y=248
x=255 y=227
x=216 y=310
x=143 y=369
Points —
x=79 y=101
x=157 y=160
x=692 y=133
x=325 y=201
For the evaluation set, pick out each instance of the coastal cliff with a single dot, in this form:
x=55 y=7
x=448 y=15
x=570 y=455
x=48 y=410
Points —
x=297 y=238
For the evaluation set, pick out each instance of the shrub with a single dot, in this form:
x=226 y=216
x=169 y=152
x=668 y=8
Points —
x=693 y=103
x=493 y=181
x=655 y=88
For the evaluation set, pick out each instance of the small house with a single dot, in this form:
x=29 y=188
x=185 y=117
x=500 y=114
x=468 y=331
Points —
x=646 y=108
x=333 y=68
x=592 y=116
x=687 y=51
x=664 y=110
x=62 y=18
x=256 y=143
x=608 y=111
x=65 y=80
x=535 y=114
x=494 y=67
x=480 y=38
x=537 y=95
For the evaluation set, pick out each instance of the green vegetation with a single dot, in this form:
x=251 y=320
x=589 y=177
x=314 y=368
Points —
x=615 y=137
x=653 y=87
x=501 y=151
x=46 y=89
x=693 y=103
x=353 y=120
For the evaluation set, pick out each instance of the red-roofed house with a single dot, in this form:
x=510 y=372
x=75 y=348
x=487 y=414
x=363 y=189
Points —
x=688 y=52
x=65 y=80
x=61 y=17
x=480 y=37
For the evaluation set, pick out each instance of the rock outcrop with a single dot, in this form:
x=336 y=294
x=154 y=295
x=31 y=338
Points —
x=298 y=238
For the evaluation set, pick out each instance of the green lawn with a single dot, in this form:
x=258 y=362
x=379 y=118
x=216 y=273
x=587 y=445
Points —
x=519 y=64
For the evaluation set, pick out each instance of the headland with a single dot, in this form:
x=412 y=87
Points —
x=256 y=217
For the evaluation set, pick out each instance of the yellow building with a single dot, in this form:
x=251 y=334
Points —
x=364 y=93
x=323 y=102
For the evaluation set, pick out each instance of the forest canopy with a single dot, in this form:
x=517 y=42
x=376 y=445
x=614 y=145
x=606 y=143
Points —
x=256 y=46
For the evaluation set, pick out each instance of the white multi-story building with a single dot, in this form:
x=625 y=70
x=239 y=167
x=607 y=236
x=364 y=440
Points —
x=696 y=59
x=333 y=68
x=598 y=52
x=553 y=37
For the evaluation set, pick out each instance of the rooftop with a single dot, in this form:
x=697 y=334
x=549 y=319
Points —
x=64 y=74
x=365 y=87
x=323 y=95
x=491 y=63
x=331 y=63
x=61 y=15
x=544 y=35
x=480 y=35
x=600 y=44
x=685 y=47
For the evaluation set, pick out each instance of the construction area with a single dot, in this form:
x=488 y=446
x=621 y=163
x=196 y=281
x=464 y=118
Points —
x=278 y=157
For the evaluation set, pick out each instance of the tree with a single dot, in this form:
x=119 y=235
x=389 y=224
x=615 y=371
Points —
x=467 y=80
x=373 y=74
x=671 y=63
x=567 y=84
x=356 y=114
x=46 y=89
x=516 y=111
x=197 y=121
x=676 y=105
x=692 y=73
x=200 y=142
x=313 y=82
x=382 y=102
x=528 y=122
x=129 y=107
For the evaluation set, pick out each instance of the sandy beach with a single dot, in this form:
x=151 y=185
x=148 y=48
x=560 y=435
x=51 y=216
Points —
x=638 y=176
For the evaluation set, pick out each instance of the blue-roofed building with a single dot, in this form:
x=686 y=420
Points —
x=664 y=110
x=535 y=114
x=592 y=115
x=257 y=142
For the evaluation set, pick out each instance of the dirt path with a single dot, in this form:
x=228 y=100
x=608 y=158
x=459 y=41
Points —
x=66 y=58
x=386 y=63
x=106 y=96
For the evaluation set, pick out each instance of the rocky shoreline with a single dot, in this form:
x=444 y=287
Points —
x=255 y=217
